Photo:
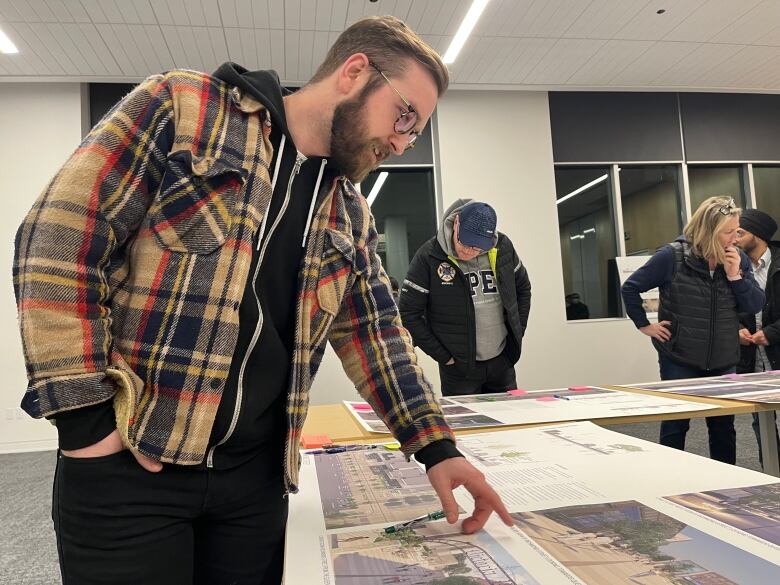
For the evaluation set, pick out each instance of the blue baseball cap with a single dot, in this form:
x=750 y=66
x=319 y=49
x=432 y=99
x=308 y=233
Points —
x=477 y=225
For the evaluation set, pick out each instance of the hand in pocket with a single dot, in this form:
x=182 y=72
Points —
x=111 y=445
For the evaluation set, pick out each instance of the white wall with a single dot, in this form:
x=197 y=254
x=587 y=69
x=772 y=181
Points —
x=494 y=146
x=40 y=125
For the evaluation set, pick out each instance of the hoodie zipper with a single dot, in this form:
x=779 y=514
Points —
x=299 y=160
x=470 y=312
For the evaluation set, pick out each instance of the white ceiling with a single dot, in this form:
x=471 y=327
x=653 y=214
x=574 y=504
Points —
x=711 y=45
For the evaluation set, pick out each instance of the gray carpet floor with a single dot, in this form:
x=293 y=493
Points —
x=28 y=553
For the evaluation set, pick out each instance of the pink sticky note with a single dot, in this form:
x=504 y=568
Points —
x=314 y=441
x=579 y=388
x=547 y=399
x=361 y=406
x=516 y=392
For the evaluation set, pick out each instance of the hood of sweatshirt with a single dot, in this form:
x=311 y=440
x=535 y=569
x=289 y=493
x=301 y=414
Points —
x=264 y=86
x=444 y=236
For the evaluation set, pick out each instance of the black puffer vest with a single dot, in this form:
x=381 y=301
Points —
x=703 y=313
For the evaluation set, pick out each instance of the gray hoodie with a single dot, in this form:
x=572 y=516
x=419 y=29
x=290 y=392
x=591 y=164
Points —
x=488 y=309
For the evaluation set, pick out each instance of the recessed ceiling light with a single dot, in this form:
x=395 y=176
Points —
x=6 y=46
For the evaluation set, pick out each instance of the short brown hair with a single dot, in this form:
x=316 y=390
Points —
x=387 y=42
x=705 y=225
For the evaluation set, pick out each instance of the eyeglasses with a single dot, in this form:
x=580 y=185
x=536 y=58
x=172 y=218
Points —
x=405 y=123
x=470 y=248
x=728 y=208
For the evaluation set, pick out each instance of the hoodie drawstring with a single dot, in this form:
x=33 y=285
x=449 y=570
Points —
x=273 y=186
x=313 y=202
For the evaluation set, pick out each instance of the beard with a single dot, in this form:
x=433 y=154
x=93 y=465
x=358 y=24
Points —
x=351 y=154
x=748 y=245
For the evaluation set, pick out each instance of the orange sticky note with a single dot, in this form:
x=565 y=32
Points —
x=516 y=392
x=361 y=406
x=314 y=441
x=547 y=399
x=579 y=388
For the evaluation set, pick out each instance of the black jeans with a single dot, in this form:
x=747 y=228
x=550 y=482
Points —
x=493 y=375
x=722 y=435
x=119 y=524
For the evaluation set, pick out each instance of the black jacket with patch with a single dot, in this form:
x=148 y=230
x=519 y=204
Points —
x=437 y=309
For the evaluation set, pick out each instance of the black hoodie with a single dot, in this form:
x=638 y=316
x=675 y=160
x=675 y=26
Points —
x=257 y=378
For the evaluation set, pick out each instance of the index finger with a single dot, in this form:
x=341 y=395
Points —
x=486 y=499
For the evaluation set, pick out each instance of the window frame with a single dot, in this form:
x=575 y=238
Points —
x=746 y=170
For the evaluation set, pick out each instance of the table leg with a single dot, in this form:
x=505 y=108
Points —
x=769 y=447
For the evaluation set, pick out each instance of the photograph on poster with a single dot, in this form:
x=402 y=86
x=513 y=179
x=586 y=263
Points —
x=771 y=396
x=763 y=387
x=453 y=409
x=585 y=499
x=629 y=542
x=752 y=509
x=434 y=554
x=535 y=406
x=535 y=395
x=725 y=389
x=377 y=486
x=665 y=385
x=458 y=417
x=772 y=376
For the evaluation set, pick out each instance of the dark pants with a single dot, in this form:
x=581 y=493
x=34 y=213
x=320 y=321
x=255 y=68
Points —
x=493 y=375
x=722 y=435
x=757 y=431
x=119 y=524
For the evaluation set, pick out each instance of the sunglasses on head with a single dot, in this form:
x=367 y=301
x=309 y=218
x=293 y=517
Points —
x=728 y=208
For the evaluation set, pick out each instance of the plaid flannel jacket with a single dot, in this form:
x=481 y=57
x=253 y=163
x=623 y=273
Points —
x=130 y=267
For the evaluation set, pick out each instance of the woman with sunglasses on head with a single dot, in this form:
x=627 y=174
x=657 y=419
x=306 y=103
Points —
x=704 y=281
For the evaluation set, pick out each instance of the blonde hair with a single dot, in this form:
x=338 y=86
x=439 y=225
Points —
x=705 y=225
x=388 y=43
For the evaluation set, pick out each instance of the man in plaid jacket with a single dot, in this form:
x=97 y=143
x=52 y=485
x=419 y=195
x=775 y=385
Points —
x=176 y=284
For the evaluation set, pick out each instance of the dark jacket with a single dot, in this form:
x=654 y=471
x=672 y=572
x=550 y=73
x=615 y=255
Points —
x=437 y=309
x=770 y=319
x=702 y=309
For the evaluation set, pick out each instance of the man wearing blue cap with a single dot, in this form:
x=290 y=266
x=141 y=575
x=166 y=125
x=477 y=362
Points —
x=466 y=299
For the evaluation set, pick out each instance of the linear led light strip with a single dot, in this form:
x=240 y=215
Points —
x=472 y=16
x=380 y=180
x=581 y=189
x=6 y=46
x=582 y=235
